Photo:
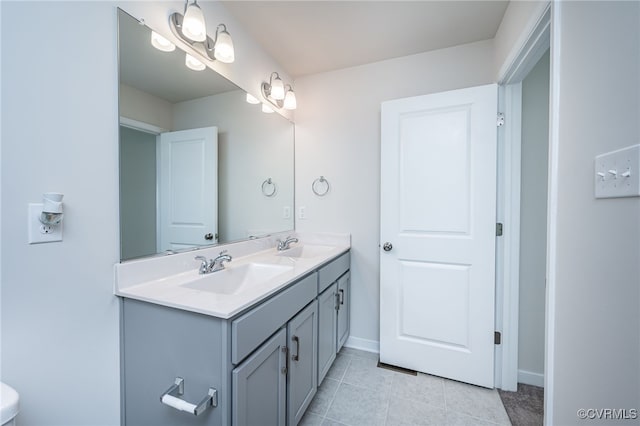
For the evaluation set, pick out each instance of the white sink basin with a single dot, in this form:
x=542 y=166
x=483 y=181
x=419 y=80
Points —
x=305 y=251
x=235 y=279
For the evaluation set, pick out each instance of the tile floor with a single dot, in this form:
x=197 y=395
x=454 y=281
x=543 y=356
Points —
x=356 y=392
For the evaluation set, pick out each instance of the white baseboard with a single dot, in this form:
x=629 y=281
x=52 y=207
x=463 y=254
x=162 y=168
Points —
x=363 y=344
x=531 y=378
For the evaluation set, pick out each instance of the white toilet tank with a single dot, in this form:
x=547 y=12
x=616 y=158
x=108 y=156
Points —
x=9 y=405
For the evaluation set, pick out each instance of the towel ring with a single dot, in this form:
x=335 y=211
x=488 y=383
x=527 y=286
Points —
x=320 y=186
x=268 y=192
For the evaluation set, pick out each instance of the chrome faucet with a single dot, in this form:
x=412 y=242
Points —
x=284 y=245
x=218 y=263
x=212 y=265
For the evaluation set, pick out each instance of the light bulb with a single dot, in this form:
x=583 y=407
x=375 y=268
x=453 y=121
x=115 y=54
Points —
x=252 y=99
x=193 y=63
x=193 y=26
x=290 y=100
x=266 y=109
x=161 y=43
x=223 y=50
x=277 y=89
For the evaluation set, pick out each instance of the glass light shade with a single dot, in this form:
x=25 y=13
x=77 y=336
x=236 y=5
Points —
x=290 y=100
x=252 y=99
x=266 y=109
x=193 y=63
x=224 y=48
x=161 y=43
x=193 y=26
x=277 y=89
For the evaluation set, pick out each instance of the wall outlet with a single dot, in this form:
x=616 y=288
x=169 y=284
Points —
x=39 y=233
x=286 y=212
x=302 y=212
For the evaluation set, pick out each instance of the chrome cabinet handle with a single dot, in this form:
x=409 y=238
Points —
x=296 y=357
x=387 y=246
x=208 y=236
x=341 y=291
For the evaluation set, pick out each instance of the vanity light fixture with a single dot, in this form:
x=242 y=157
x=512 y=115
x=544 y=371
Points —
x=290 y=102
x=161 y=43
x=274 y=92
x=193 y=26
x=191 y=29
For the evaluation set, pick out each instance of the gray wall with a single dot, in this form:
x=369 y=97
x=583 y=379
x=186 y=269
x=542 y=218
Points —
x=59 y=317
x=338 y=136
x=252 y=146
x=137 y=193
x=533 y=222
x=594 y=264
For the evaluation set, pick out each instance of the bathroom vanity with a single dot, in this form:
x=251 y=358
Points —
x=247 y=347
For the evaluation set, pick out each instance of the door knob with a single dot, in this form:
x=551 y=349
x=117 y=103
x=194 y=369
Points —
x=387 y=246
x=208 y=236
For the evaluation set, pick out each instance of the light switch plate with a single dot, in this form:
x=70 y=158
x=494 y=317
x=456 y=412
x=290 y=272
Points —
x=617 y=173
x=39 y=233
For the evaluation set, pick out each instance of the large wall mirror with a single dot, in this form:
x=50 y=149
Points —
x=198 y=164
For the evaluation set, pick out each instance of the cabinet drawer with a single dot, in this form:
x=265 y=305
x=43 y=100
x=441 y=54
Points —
x=331 y=272
x=254 y=327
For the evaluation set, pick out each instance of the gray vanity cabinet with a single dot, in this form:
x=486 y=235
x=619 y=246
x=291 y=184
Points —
x=263 y=363
x=327 y=330
x=333 y=315
x=302 y=378
x=259 y=385
x=344 y=293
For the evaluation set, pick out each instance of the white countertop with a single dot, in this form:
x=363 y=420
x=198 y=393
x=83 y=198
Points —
x=162 y=280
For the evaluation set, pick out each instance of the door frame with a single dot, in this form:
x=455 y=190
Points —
x=516 y=68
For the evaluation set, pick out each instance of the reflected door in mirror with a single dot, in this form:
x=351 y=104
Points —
x=188 y=188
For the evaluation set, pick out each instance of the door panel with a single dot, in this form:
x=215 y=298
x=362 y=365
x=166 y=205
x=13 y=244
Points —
x=438 y=196
x=188 y=188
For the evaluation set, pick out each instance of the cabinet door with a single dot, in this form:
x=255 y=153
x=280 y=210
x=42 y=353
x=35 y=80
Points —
x=344 y=288
x=259 y=385
x=302 y=382
x=327 y=330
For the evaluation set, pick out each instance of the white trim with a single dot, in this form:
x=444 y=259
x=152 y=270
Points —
x=140 y=125
x=510 y=260
x=531 y=378
x=522 y=59
x=363 y=344
x=529 y=48
x=552 y=214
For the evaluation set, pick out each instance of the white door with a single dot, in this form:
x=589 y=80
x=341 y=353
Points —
x=187 y=188
x=438 y=210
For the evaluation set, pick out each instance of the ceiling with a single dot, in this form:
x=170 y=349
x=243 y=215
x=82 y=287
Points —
x=309 y=37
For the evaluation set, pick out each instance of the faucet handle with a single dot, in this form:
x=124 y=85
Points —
x=223 y=252
x=201 y=258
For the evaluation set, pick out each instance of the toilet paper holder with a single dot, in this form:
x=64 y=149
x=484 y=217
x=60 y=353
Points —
x=171 y=398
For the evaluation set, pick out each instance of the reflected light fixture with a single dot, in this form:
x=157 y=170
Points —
x=193 y=63
x=266 y=109
x=274 y=92
x=252 y=99
x=191 y=29
x=161 y=43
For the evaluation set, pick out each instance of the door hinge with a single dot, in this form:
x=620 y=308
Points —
x=497 y=337
x=498 y=229
x=500 y=121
